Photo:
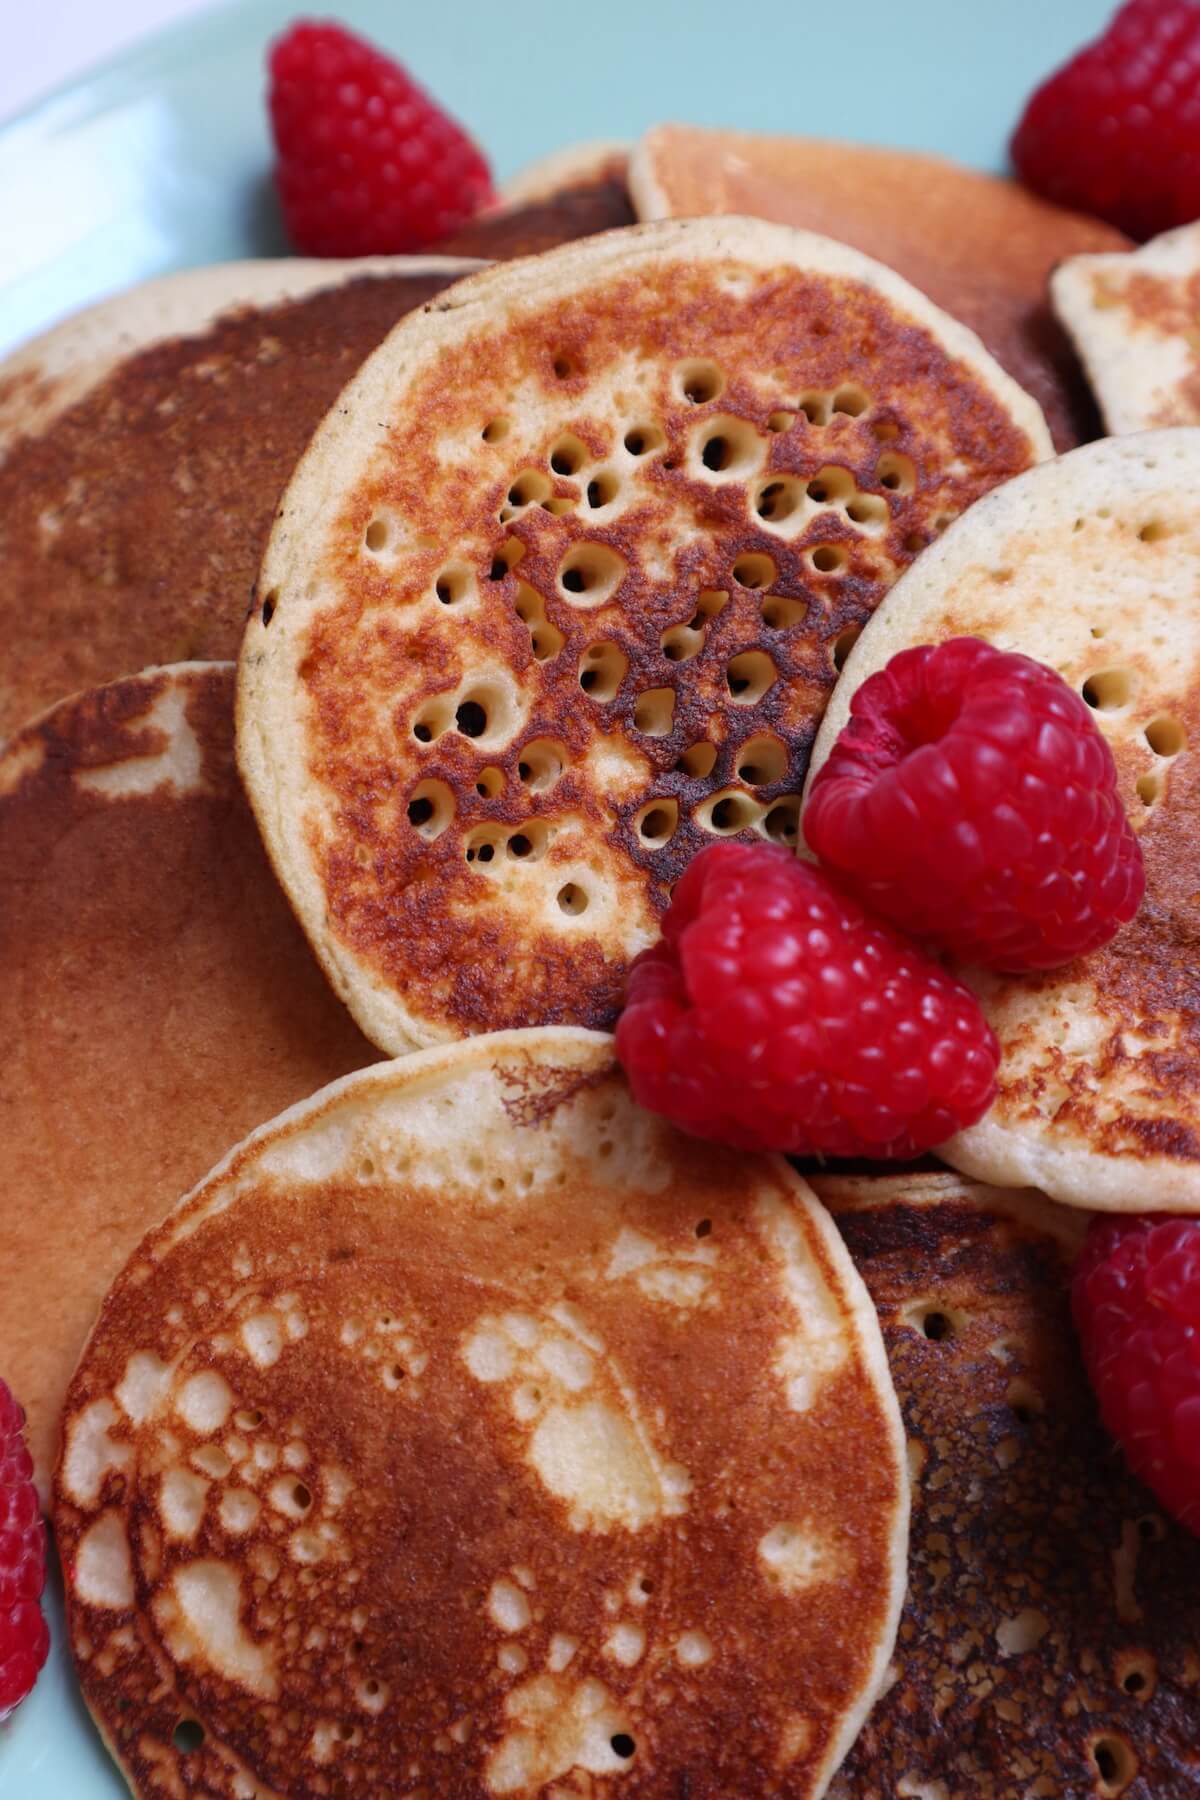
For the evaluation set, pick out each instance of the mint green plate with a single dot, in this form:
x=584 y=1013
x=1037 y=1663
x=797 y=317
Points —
x=160 y=159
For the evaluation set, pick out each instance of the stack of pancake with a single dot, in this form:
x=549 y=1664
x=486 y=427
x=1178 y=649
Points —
x=465 y=1430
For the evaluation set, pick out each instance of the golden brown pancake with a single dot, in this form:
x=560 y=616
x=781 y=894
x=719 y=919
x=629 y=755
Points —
x=156 y=998
x=143 y=449
x=400 y=1459
x=1090 y=564
x=560 y=591
x=1134 y=321
x=980 y=246
x=1050 y=1642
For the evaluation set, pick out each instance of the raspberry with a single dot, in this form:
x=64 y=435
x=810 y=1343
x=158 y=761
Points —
x=24 y=1640
x=972 y=801
x=777 y=1015
x=366 y=164
x=1136 y=1301
x=1116 y=131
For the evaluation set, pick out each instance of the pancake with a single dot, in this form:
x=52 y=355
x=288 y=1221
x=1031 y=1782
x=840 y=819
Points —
x=1050 y=1641
x=1134 y=321
x=394 y=1464
x=1090 y=564
x=559 y=592
x=156 y=997
x=562 y=198
x=980 y=246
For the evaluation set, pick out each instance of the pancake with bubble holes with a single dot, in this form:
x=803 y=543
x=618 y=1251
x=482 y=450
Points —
x=1050 y=1641
x=1133 y=321
x=1089 y=564
x=400 y=1458
x=558 y=594
x=156 y=998
x=981 y=246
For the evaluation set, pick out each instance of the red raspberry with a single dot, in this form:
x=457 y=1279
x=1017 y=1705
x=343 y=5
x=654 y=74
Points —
x=366 y=164
x=24 y=1639
x=972 y=800
x=1116 y=131
x=777 y=1015
x=1136 y=1301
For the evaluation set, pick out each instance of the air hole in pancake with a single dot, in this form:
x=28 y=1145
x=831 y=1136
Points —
x=698 y=760
x=843 y=644
x=781 y=614
x=590 y=574
x=603 y=488
x=710 y=603
x=728 y=812
x=656 y=824
x=602 y=669
x=942 y=521
x=188 y=1736
x=568 y=456
x=377 y=536
x=829 y=559
x=852 y=401
x=1153 y=531
x=727 y=446
x=559 y=506
x=754 y=570
x=455 y=585
x=541 y=763
x=641 y=440
x=572 y=899
x=1027 y=1404
x=780 y=421
x=704 y=1229
x=1108 y=690
x=565 y=366
x=268 y=606
x=914 y=543
x=248 y=1421
x=489 y=783
x=302 y=1496
x=1151 y=1529
x=1165 y=735
x=430 y=809
x=869 y=511
x=832 y=486
x=762 y=761
x=484 y=845
x=681 y=642
x=1115 y=1763
x=748 y=677
x=530 y=488
x=431 y=721
x=1136 y=1673
x=531 y=842
x=816 y=408
x=622 y=1745
x=699 y=381
x=496 y=430
x=782 y=822
x=506 y=558
x=779 y=499
x=1149 y=787
x=884 y=431
x=937 y=1327
x=896 y=473
x=471 y=718
x=654 y=711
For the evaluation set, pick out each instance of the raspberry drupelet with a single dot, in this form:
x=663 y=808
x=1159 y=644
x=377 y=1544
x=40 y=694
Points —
x=24 y=1639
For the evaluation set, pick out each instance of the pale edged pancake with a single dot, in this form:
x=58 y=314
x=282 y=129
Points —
x=400 y=1459
x=1090 y=564
x=982 y=247
x=156 y=998
x=143 y=448
x=1135 y=321
x=1050 y=1641
x=559 y=592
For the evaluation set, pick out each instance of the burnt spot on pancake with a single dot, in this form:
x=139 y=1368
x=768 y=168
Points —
x=667 y=510
x=1050 y=1642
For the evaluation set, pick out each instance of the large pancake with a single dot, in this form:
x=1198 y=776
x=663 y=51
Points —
x=1050 y=1641
x=1090 y=564
x=156 y=998
x=1135 y=321
x=400 y=1459
x=559 y=592
x=980 y=246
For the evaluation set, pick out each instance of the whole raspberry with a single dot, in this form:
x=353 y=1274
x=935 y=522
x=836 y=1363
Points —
x=1136 y=1301
x=366 y=164
x=972 y=800
x=777 y=1015
x=24 y=1639
x=1116 y=131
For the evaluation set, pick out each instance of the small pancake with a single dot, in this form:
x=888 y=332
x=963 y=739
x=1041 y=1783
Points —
x=156 y=996
x=1050 y=1641
x=978 y=245
x=559 y=592
x=1091 y=565
x=143 y=448
x=1134 y=322
x=399 y=1460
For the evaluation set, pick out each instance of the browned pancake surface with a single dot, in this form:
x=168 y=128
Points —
x=156 y=999
x=1050 y=1643
x=583 y=207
